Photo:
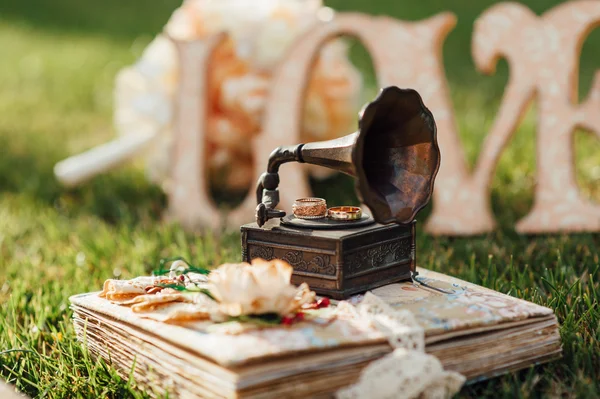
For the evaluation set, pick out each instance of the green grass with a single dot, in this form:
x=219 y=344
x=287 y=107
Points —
x=57 y=65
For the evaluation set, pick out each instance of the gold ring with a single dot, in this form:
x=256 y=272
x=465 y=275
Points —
x=309 y=208
x=344 y=213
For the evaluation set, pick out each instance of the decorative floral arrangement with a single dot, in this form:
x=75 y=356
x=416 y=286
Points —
x=259 y=293
x=259 y=34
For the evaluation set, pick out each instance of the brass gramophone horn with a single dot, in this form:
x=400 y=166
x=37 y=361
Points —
x=394 y=156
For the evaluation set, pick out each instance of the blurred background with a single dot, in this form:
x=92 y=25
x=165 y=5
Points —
x=58 y=61
x=57 y=76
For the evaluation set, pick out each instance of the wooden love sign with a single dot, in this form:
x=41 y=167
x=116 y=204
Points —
x=543 y=54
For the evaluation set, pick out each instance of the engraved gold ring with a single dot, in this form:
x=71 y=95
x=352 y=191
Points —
x=309 y=208
x=344 y=213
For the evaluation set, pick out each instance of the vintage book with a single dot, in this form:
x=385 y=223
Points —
x=472 y=330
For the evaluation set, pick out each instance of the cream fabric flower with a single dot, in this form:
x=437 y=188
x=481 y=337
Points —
x=257 y=288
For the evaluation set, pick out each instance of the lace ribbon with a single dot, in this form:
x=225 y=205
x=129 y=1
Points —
x=407 y=372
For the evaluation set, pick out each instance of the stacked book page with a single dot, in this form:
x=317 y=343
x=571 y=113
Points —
x=472 y=330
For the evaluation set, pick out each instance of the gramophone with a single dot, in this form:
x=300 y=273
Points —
x=394 y=157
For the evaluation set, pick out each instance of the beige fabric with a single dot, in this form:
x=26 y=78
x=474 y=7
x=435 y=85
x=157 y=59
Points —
x=471 y=330
x=149 y=302
x=178 y=312
x=124 y=290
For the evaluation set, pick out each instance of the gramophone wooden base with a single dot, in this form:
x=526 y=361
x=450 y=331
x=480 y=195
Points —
x=336 y=263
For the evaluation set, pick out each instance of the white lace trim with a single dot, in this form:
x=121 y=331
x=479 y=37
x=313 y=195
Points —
x=407 y=372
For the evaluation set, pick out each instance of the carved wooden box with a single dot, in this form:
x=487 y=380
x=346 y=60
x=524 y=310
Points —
x=336 y=263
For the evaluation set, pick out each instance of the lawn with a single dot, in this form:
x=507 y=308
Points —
x=57 y=69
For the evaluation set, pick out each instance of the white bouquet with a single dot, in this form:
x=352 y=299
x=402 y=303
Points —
x=259 y=33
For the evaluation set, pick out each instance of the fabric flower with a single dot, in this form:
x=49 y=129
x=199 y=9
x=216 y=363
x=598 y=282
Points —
x=258 y=288
x=123 y=290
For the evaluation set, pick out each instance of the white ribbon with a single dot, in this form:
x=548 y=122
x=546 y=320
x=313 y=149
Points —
x=407 y=372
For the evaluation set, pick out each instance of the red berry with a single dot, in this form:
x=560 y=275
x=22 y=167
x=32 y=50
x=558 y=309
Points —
x=323 y=303
x=287 y=321
x=299 y=317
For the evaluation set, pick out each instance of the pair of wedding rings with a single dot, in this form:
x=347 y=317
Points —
x=316 y=208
